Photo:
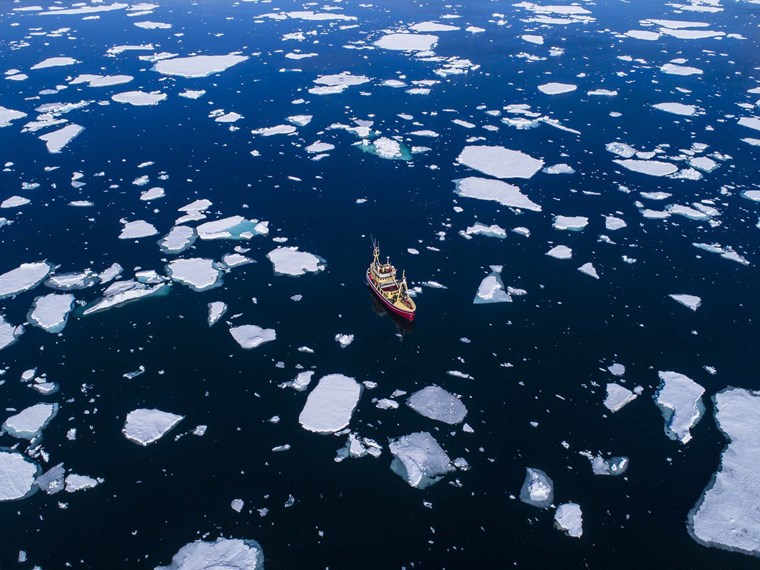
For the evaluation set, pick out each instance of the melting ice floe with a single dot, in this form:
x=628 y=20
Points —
x=437 y=404
x=491 y=289
x=198 y=273
x=25 y=277
x=337 y=83
x=680 y=401
x=290 y=261
x=538 y=489
x=144 y=426
x=216 y=310
x=613 y=466
x=56 y=140
x=101 y=80
x=419 y=459
x=569 y=518
x=178 y=239
x=726 y=252
x=123 y=292
x=330 y=404
x=234 y=227
x=499 y=161
x=407 y=42
x=385 y=147
x=251 y=336
x=691 y=301
x=198 y=66
x=8 y=333
x=51 y=312
x=29 y=423
x=17 y=475
x=494 y=190
x=726 y=514
x=617 y=397
x=52 y=480
x=229 y=553
x=76 y=482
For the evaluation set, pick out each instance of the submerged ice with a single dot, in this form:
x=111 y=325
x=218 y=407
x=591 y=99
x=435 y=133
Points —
x=438 y=404
x=538 y=488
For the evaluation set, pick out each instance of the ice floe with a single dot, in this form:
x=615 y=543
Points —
x=407 y=42
x=569 y=518
x=137 y=229
x=8 y=333
x=57 y=140
x=139 y=98
x=691 y=301
x=76 y=482
x=52 y=481
x=330 y=404
x=491 y=289
x=613 y=466
x=560 y=252
x=198 y=273
x=122 y=292
x=500 y=162
x=145 y=426
x=198 y=65
x=101 y=80
x=17 y=474
x=538 y=488
x=494 y=190
x=9 y=115
x=673 y=69
x=251 y=336
x=234 y=227
x=23 y=278
x=15 y=202
x=290 y=261
x=726 y=252
x=676 y=109
x=438 y=404
x=228 y=553
x=617 y=397
x=344 y=339
x=680 y=401
x=29 y=423
x=726 y=514
x=650 y=167
x=51 y=312
x=482 y=230
x=337 y=83
x=419 y=459
x=216 y=310
x=573 y=223
x=54 y=62
x=589 y=269
x=557 y=88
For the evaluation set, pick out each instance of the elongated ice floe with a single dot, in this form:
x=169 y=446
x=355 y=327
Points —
x=650 y=167
x=557 y=88
x=419 y=459
x=72 y=281
x=407 y=42
x=8 y=333
x=9 y=115
x=479 y=229
x=234 y=227
x=57 y=140
x=216 y=310
x=491 y=288
x=499 y=161
x=25 y=277
x=677 y=109
x=29 y=423
x=120 y=293
x=726 y=252
x=198 y=273
x=198 y=65
x=573 y=223
x=227 y=553
x=290 y=261
x=50 y=312
x=145 y=426
x=673 y=69
x=538 y=488
x=726 y=514
x=691 y=301
x=569 y=518
x=438 y=404
x=101 y=80
x=680 y=401
x=139 y=98
x=74 y=482
x=15 y=202
x=17 y=474
x=494 y=190
x=617 y=397
x=251 y=336
x=330 y=404
x=54 y=62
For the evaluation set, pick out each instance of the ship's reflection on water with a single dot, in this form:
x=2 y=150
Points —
x=402 y=325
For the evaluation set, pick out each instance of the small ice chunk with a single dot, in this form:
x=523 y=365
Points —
x=227 y=553
x=330 y=404
x=29 y=423
x=691 y=301
x=344 y=339
x=538 y=489
x=500 y=162
x=617 y=397
x=680 y=401
x=589 y=269
x=237 y=505
x=437 y=404
x=51 y=312
x=146 y=426
x=301 y=382
x=419 y=459
x=569 y=518
x=152 y=194
x=612 y=223
x=614 y=466
x=216 y=310
x=251 y=336
x=17 y=475
x=178 y=239
x=616 y=369
x=23 y=278
x=290 y=261
x=198 y=273
x=560 y=252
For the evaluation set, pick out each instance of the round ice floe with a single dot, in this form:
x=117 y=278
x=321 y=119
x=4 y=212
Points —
x=51 y=312
x=17 y=475
x=144 y=426
x=569 y=518
x=407 y=42
x=198 y=66
x=29 y=423
x=251 y=336
x=330 y=405
x=228 y=553
x=419 y=459
x=290 y=261
x=499 y=161
x=437 y=404
x=198 y=273
x=538 y=489
x=25 y=277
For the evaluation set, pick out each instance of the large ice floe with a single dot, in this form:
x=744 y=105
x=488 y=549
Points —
x=120 y=293
x=500 y=162
x=438 y=404
x=680 y=401
x=8 y=333
x=336 y=83
x=650 y=167
x=494 y=190
x=17 y=474
x=227 y=553
x=330 y=404
x=145 y=426
x=290 y=261
x=23 y=278
x=569 y=518
x=8 y=115
x=726 y=516
x=538 y=488
x=234 y=227
x=491 y=289
x=198 y=273
x=139 y=98
x=50 y=312
x=198 y=65
x=419 y=459
x=57 y=140
x=407 y=42
x=29 y=423
x=251 y=336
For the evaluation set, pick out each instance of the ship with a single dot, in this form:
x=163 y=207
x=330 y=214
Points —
x=392 y=293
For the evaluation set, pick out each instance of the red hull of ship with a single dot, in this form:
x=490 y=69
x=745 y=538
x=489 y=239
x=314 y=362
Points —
x=408 y=315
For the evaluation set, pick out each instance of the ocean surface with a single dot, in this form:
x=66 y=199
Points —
x=532 y=373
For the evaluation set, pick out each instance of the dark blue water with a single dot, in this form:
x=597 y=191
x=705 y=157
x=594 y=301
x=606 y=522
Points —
x=559 y=338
